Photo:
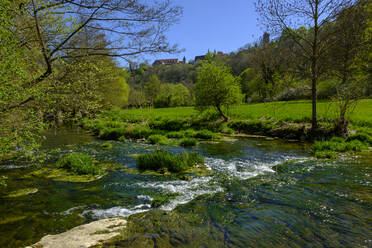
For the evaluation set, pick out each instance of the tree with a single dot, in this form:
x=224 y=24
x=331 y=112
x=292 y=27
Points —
x=76 y=87
x=216 y=87
x=172 y=95
x=137 y=98
x=367 y=55
x=246 y=78
x=41 y=40
x=348 y=43
x=266 y=63
x=116 y=91
x=152 y=88
x=133 y=27
x=19 y=127
x=315 y=15
x=180 y=96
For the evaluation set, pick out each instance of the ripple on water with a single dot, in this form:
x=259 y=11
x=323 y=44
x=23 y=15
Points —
x=246 y=168
x=186 y=190
x=116 y=211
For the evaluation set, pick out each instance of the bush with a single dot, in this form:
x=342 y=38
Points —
x=158 y=139
x=336 y=145
x=188 y=142
x=109 y=133
x=252 y=126
x=337 y=139
x=205 y=134
x=362 y=137
x=208 y=115
x=226 y=130
x=160 y=160
x=176 y=135
x=354 y=145
x=78 y=163
x=162 y=102
x=190 y=133
x=137 y=132
x=325 y=154
x=96 y=126
x=330 y=146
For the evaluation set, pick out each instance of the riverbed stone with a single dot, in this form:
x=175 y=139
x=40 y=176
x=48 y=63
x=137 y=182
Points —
x=22 y=192
x=84 y=236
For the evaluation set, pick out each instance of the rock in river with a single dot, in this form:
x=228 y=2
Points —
x=84 y=236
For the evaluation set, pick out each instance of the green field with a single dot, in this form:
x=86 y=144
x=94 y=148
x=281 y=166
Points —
x=291 y=111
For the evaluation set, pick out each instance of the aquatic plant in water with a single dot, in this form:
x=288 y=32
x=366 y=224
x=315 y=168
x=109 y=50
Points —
x=79 y=163
x=353 y=143
x=163 y=160
x=188 y=142
x=157 y=139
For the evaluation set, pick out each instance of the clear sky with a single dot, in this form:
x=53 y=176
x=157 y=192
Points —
x=213 y=24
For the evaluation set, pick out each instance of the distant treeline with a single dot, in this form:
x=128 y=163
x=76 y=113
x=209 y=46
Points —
x=276 y=69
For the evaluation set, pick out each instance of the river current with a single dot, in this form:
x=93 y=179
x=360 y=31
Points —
x=262 y=193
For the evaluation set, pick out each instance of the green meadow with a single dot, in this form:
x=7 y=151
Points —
x=291 y=111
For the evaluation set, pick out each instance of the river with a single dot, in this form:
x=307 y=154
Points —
x=247 y=201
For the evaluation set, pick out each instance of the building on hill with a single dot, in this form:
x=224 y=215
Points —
x=201 y=57
x=166 y=62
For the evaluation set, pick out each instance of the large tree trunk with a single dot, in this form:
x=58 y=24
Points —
x=314 y=67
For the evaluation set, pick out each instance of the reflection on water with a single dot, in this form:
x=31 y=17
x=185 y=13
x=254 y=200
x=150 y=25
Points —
x=244 y=203
x=65 y=136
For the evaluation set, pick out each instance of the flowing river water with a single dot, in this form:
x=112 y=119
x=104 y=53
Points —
x=247 y=201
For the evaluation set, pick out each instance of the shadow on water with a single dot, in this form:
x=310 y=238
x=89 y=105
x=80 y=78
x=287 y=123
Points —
x=246 y=202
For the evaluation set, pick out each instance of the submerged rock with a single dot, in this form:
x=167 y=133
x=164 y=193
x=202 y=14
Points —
x=11 y=219
x=62 y=175
x=22 y=192
x=84 y=236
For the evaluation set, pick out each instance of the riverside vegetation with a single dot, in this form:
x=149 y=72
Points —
x=289 y=120
x=198 y=172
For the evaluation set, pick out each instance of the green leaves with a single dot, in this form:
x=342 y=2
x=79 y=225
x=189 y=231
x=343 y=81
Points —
x=216 y=87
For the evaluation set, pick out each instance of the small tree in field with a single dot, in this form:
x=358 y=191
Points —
x=216 y=87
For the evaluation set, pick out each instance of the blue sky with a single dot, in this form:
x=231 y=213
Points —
x=213 y=24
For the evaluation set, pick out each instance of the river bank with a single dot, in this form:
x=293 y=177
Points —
x=185 y=127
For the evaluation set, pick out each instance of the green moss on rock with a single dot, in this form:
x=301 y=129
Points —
x=22 y=192
x=63 y=175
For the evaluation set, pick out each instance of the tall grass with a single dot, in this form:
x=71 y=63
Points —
x=79 y=163
x=160 y=160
